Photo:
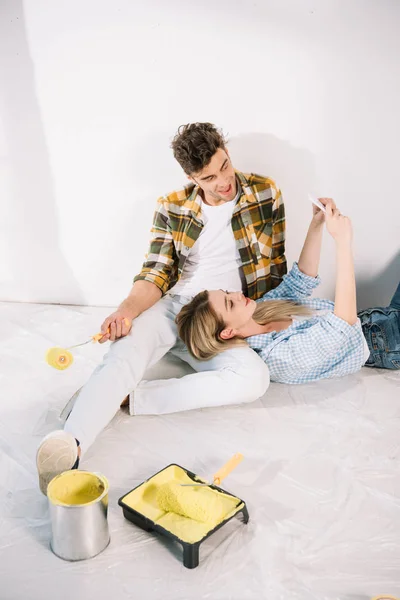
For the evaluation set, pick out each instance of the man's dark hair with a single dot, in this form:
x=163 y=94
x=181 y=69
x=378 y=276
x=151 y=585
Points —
x=195 y=144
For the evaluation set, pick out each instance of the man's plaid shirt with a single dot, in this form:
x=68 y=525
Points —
x=258 y=224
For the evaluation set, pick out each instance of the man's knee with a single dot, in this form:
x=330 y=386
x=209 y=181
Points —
x=257 y=381
x=264 y=382
x=252 y=376
x=257 y=373
x=252 y=373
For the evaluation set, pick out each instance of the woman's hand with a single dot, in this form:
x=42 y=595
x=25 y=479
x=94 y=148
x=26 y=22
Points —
x=318 y=214
x=311 y=252
x=338 y=226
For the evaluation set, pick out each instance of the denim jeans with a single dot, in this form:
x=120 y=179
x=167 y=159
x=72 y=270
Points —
x=381 y=328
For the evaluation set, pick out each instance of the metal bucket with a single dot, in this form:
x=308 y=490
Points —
x=78 y=503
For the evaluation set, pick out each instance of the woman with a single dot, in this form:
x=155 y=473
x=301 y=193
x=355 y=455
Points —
x=301 y=339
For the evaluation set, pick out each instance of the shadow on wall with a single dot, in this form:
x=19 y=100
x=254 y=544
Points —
x=39 y=270
x=292 y=168
x=294 y=172
x=379 y=290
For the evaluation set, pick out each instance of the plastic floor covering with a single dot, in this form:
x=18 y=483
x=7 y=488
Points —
x=321 y=479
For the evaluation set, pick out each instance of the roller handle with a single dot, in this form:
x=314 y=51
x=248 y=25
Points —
x=227 y=468
x=98 y=336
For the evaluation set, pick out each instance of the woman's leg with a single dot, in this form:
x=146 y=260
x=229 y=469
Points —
x=395 y=301
x=381 y=328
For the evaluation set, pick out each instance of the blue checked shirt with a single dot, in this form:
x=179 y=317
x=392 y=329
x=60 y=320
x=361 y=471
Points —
x=317 y=347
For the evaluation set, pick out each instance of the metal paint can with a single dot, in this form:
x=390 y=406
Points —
x=78 y=502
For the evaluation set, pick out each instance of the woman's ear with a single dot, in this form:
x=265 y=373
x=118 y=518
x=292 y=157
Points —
x=227 y=334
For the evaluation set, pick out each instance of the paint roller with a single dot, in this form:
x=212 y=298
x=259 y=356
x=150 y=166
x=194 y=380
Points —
x=61 y=358
x=197 y=501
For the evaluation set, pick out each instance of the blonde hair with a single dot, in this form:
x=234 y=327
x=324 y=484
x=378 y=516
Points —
x=200 y=327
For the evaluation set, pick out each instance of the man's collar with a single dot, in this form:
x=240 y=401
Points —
x=246 y=196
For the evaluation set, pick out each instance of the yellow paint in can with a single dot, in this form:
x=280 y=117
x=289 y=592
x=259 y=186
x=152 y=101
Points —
x=77 y=488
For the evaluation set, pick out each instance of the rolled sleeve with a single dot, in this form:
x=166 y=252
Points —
x=295 y=286
x=155 y=277
x=160 y=265
x=342 y=325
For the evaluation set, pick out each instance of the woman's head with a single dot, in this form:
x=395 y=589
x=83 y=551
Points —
x=215 y=320
x=206 y=323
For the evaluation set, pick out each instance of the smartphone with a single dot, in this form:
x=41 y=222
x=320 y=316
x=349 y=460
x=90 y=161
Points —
x=316 y=202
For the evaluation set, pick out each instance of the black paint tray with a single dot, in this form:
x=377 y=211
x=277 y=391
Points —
x=140 y=506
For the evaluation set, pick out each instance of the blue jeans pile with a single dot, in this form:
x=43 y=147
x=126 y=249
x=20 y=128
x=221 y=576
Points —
x=381 y=328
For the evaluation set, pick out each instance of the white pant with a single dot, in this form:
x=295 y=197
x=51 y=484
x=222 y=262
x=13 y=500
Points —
x=234 y=376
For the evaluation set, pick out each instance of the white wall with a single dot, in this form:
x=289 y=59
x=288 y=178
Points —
x=92 y=91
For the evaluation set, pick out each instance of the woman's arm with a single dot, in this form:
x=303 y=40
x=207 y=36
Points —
x=345 y=295
x=311 y=252
x=303 y=278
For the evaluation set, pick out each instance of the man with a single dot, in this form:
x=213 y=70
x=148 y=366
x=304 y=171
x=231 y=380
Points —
x=224 y=229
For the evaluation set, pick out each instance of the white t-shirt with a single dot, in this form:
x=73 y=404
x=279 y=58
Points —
x=213 y=262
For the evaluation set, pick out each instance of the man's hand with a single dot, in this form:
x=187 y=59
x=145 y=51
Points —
x=117 y=325
x=142 y=296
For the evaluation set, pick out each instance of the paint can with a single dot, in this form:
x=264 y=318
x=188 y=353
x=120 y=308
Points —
x=78 y=502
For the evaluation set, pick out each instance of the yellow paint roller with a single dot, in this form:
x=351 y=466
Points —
x=61 y=358
x=197 y=501
x=199 y=504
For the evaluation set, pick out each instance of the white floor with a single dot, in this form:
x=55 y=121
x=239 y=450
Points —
x=321 y=478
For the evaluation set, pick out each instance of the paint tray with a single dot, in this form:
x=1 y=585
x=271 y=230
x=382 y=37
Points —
x=140 y=506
